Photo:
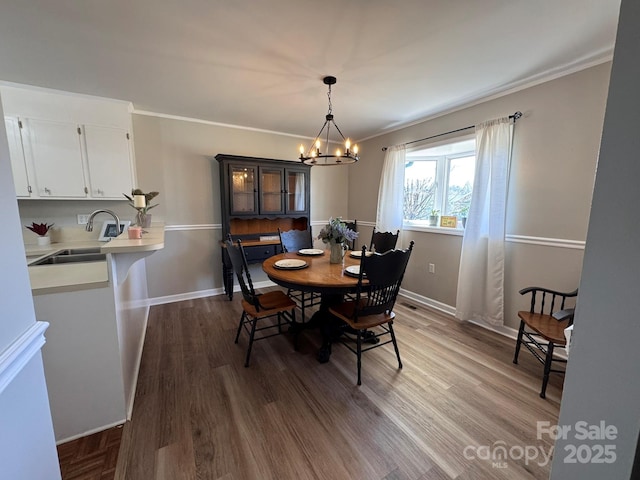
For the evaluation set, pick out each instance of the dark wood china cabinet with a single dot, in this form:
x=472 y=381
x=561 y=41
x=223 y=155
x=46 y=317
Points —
x=258 y=196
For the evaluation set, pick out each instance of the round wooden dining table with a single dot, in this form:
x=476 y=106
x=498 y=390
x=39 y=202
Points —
x=320 y=276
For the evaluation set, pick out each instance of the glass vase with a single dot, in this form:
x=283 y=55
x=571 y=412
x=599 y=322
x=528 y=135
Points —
x=336 y=253
x=143 y=219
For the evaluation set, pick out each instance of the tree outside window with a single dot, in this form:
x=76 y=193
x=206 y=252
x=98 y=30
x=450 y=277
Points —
x=439 y=178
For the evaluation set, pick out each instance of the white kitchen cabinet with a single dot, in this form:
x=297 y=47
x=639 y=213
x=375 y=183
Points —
x=18 y=162
x=109 y=164
x=53 y=160
x=54 y=150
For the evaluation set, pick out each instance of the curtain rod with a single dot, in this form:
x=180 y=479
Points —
x=515 y=117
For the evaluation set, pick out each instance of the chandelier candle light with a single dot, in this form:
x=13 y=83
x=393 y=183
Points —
x=314 y=156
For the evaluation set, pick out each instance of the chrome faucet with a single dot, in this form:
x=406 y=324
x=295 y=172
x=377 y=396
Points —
x=89 y=227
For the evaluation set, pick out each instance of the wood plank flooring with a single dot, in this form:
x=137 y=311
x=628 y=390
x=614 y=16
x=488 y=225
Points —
x=200 y=414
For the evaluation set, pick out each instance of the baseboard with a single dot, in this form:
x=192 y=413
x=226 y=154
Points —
x=203 y=293
x=90 y=432
x=181 y=297
x=428 y=302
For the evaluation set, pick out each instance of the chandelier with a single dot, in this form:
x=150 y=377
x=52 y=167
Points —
x=314 y=156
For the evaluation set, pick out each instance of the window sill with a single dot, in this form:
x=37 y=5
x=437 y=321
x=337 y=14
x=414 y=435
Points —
x=440 y=230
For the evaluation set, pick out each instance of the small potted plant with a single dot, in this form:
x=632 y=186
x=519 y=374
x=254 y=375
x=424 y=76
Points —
x=433 y=218
x=142 y=203
x=462 y=213
x=41 y=229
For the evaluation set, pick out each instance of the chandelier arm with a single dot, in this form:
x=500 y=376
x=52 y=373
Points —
x=338 y=129
x=328 y=123
x=313 y=145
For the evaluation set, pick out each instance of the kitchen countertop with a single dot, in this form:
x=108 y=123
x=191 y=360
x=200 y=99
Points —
x=80 y=276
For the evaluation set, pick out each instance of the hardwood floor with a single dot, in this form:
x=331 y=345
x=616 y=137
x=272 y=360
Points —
x=200 y=414
x=92 y=457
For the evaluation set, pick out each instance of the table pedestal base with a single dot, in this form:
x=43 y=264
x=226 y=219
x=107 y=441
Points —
x=331 y=327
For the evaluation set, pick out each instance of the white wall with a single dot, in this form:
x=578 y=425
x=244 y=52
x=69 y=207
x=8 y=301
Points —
x=601 y=384
x=27 y=446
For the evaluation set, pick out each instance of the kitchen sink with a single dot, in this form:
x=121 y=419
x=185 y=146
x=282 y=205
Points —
x=78 y=251
x=76 y=255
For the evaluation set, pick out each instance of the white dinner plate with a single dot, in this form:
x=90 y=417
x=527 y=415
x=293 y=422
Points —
x=358 y=254
x=310 y=251
x=290 y=264
x=353 y=270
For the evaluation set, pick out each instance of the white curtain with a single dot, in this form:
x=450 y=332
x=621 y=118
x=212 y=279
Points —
x=391 y=192
x=481 y=276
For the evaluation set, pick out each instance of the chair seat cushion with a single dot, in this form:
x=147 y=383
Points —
x=270 y=303
x=546 y=326
x=345 y=311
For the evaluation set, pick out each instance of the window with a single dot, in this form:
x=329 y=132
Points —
x=438 y=178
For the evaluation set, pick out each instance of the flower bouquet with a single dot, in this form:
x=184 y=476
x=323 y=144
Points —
x=336 y=233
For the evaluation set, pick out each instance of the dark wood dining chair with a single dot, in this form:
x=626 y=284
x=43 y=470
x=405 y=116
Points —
x=353 y=225
x=293 y=241
x=542 y=328
x=370 y=315
x=257 y=307
x=383 y=241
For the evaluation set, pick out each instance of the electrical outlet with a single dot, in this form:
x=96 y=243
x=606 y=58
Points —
x=83 y=219
x=432 y=268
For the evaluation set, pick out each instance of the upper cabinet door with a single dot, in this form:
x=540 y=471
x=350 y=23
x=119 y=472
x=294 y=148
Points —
x=110 y=172
x=297 y=191
x=243 y=189
x=56 y=155
x=271 y=191
x=18 y=163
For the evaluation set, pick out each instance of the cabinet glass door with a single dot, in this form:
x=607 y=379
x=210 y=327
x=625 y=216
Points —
x=271 y=191
x=243 y=189
x=296 y=191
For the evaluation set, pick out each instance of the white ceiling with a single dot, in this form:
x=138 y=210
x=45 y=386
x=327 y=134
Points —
x=260 y=63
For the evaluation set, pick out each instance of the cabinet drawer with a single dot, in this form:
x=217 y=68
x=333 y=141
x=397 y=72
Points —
x=259 y=253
